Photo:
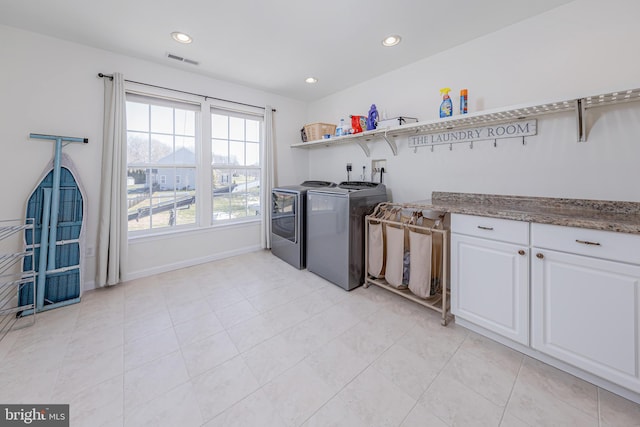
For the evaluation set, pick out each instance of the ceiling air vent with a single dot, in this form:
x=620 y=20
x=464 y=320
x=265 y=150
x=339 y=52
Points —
x=181 y=59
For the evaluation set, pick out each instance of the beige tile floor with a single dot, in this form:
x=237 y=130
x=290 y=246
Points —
x=250 y=341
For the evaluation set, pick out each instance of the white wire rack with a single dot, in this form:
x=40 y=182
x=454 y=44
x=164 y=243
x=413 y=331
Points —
x=14 y=277
x=485 y=118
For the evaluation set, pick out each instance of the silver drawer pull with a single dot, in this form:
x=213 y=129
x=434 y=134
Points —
x=586 y=242
x=485 y=228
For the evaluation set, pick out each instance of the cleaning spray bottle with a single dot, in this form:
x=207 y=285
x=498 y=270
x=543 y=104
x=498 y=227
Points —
x=446 y=108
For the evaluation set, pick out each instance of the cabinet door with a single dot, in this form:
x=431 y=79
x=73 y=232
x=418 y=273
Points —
x=585 y=312
x=490 y=285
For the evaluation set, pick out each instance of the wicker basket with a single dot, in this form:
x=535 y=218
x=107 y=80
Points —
x=315 y=131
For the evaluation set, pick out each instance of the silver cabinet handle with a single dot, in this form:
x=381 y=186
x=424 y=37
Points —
x=485 y=228
x=586 y=242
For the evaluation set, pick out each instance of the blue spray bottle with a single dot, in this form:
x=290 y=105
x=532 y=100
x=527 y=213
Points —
x=446 y=108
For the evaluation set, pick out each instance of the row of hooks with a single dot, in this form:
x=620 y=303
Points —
x=495 y=144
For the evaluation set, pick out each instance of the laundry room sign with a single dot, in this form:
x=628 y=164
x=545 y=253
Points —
x=505 y=130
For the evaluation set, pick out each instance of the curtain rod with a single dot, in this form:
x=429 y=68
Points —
x=110 y=77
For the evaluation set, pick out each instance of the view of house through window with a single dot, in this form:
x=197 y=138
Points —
x=161 y=163
x=235 y=149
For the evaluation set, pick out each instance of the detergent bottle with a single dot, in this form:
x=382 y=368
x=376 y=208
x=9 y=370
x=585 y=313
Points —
x=463 y=101
x=372 y=118
x=446 y=108
x=340 y=129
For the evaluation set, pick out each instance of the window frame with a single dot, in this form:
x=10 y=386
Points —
x=203 y=165
x=230 y=167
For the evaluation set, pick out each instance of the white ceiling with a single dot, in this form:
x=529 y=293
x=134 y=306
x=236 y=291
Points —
x=274 y=44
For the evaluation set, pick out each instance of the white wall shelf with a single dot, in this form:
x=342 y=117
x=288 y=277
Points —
x=483 y=118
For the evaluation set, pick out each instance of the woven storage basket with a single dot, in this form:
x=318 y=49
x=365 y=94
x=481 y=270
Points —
x=316 y=131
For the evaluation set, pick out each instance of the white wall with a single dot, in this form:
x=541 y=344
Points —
x=51 y=86
x=585 y=47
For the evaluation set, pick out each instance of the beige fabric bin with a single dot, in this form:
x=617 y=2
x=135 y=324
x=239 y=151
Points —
x=395 y=256
x=420 y=244
x=376 y=250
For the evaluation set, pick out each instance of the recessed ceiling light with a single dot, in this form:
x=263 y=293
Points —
x=391 y=40
x=311 y=80
x=181 y=37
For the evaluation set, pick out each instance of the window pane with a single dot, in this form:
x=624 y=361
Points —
x=185 y=206
x=219 y=126
x=253 y=154
x=220 y=151
x=253 y=130
x=137 y=147
x=159 y=193
x=222 y=182
x=240 y=181
x=161 y=119
x=137 y=116
x=236 y=128
x=187 y=181
x=253 y=192
x=253 y=182
x=140 y=223
x=162 y=204
x=236 y=152
x=238 y=208
x=161 y=148
x=165 y=179
x=138 y=198
x=221 y=205
x=185 y=122
x=185 y=150
x=236 y=192
x=174 y=202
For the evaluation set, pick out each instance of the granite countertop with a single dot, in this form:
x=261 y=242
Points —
x=621 y=217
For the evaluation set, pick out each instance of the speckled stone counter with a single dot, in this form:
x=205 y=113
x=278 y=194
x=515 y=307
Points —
x=621 y=217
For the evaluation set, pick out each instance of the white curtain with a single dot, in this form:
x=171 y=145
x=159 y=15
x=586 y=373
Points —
x=266 y=179
x=112 y=228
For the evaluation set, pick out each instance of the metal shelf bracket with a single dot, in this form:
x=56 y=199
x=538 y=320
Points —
x=364 y=147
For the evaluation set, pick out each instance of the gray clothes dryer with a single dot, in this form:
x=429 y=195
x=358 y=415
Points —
x=335 y=230
x=288 y=221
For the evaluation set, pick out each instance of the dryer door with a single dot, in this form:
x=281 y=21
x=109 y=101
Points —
x=284 y=212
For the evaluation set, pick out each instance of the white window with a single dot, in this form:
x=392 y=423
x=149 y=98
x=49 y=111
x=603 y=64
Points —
x=190 y=163
x=235 y=158
x=161 y=141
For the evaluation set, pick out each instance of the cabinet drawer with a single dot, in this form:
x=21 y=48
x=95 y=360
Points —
x=596 y=243
x=491 y=228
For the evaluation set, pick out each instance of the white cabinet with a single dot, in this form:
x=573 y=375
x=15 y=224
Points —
x=489 y=277
x=585 y=305
x=584 y=310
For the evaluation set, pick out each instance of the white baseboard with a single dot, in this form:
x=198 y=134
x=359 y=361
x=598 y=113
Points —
x=189 y=262
x=88 y=285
